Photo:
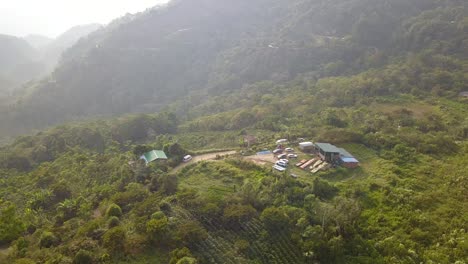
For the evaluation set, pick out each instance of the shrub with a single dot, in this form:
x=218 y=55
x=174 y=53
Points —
x=83 y=257
x=165 y=206
x=24 y=261
x=156 y=228
x=11 y=225
x=114 y=239
x=113 y=222
x=191 y=233
x=187 y=260
x=158 y=215
x=114 y=210
x=236 y=214
x=48 y=240
x=61 y=191
x=179 y=254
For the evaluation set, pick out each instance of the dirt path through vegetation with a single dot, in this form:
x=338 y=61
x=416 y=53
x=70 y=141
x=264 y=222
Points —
x=262 y=159
x=204 y=157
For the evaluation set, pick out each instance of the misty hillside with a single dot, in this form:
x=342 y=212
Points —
x=53 y=51
x=35 y=56
x=16 y=55
x=38 y=41
x=152 y=141
x=145 y=62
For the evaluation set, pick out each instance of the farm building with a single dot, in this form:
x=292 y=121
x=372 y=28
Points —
x=328 y=152
x=305 y=146
x=153 y=155
x=348 y=160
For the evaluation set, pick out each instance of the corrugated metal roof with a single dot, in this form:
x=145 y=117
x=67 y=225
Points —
x=154 y=155
x=349 y=160
x=345 y=153
x=327 y=147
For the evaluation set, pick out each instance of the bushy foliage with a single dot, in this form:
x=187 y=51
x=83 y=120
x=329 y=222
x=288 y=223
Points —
x=83 y=257
x=47 y=240
x=11 y=225
x=114 y=239
x=114 y=210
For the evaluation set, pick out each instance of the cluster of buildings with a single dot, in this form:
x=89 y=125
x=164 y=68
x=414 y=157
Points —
x=330 y=153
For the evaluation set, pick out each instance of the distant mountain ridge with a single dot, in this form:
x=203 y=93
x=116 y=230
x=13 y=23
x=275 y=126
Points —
x=192 y=50
x=34 y=56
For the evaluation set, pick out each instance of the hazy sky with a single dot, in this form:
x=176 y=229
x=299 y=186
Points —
x=53 y=17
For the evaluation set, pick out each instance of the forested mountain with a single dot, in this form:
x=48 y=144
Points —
x=381 y=78
x=144 y=62
x=53 y=51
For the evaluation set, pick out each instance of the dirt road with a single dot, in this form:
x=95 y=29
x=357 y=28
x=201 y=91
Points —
x=262 y=159
x=209 y=156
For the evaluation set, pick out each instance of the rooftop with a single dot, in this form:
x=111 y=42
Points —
x=154 y=155
x=345 y=153
x=349 y=160
x=327 y=147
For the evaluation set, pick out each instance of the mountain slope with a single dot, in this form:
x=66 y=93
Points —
x=38 y=41
x=15 y=54
x=379 y=78
x=193 y=50
x=144 y=62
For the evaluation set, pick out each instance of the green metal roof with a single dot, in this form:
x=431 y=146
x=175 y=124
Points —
x=327 y=147
x=345 y=153
x=154 y=155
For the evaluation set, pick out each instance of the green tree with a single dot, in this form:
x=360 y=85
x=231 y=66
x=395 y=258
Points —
x=47 y=240
x=114 y=239
x=83 y=257
x=179 y=254
x=234 y=215
x=114 y=210
x=275 y=219
x=190 y=233
x=156 y=228
x=11 y=225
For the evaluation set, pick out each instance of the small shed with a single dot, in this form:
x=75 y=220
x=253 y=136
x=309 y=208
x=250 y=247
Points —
x=328 y=152
x=153 y=155
x=305 y=146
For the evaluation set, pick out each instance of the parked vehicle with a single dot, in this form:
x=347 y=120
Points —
x=292 y=156
x=285 y=161
x=289 y=149
x=279 y=168
x=294 y=175
x=283 y=140
x=277 y=151
x=282 y=156
x=281 y=163
x=187 y=158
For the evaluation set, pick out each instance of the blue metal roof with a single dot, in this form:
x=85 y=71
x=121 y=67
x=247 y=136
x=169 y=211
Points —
x=349 y=160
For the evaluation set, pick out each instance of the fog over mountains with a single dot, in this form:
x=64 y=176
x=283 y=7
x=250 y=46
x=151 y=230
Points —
x=34 y=56
x=144 y=62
